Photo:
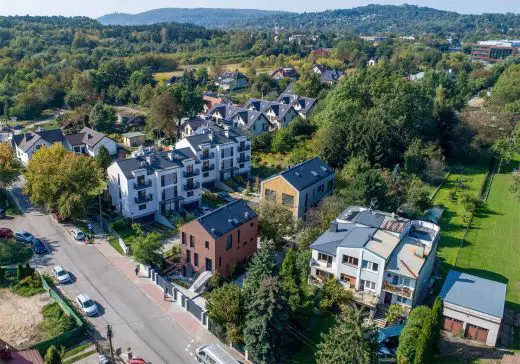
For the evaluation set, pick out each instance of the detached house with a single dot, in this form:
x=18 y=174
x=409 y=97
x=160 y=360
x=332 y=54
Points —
x=229 y=81
x=285 y=72
x=327 y=74
x=212 y=98
x=278 y=114
x=89 y=142
x=219 y=240
x=381 y=258
x=299 y=187
x=247 y=119
x=25 y=145
x=302 y=105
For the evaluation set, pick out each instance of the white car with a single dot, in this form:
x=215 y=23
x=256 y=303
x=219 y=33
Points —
x=77 y=234
x=61 y=274
x=87 y=305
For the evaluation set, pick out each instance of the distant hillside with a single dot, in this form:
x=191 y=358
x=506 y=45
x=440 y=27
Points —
x=212 y=18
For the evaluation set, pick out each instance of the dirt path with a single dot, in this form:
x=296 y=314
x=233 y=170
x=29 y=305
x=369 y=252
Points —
x=20 y=318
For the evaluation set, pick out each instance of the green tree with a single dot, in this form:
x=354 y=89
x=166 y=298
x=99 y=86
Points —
x=308 y=85
x=437 y=322
x=334 y=296
x=10 y=167
x=103 y=159
x=52 y=356
x=417 y=196
x=261 y=266
x=266 y=320
x=102 y=117
x=275 y=223
x=423 y=352
x=164 y=113
x=507 y=87
x=140 y=78
x=146 y=247
x=394 y=313
x=350 y=340
x=225 y=307
x=20 y=272
x=371 y=187
x=111 y=73
x=292 y=284
x=411 y=332
x=62 y=181
x=2 y=275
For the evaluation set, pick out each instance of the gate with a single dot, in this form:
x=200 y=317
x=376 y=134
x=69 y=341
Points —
x=194 y=309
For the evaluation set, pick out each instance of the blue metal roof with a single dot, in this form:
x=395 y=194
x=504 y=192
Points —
x=389 y=332
x=478 y=294
x=348 y=235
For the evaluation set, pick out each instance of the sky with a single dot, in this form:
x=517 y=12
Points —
x=96 y=8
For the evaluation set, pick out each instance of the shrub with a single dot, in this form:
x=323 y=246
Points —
x=239 y=179
x=55 y=320
x=52 y=356
x=12 y=252
x=29 y=286
x=411 y=332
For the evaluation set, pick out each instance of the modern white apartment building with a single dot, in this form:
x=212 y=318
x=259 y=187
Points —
x=382 y=258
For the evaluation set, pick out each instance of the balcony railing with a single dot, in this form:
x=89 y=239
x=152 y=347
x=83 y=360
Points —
x=243 y=148
x=205 y=156
x=141 y=186
x=191 y=186
x=140 y=200
x=208 y=168
x=399 y=290
x=243 y=159
x=192 y=173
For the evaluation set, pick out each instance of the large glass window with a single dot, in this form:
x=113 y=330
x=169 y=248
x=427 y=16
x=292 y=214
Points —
x=229 y=242
x=270 y=195
x=370 y=266
x=287 y=200
x=347 y=259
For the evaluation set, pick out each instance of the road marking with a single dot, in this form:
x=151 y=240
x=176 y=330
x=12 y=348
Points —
x=191 y=354
x=186 y=349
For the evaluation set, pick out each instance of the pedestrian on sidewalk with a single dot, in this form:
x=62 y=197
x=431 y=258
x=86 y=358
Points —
x=136 y=269
x=165 y=293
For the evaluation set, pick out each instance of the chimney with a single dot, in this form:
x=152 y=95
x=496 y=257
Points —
x=149 y=159
x=210 y=135
x=333 y=227
x=246 y=215
x=419 y=251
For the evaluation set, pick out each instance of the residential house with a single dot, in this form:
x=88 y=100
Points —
x=130 y=119
x=213 y=98
x=223 y=152
x=302 y=105
x=300 y=187
x=25 y=145
x=473 y=306
x=133 y=139
x=253 y=121
x=221 y=239
x=492 y=51
x=89 y=142
x=230 y=81
x=327 y=75
x=10 y=354
x=278 y=114
x=152 y=183
x=285 y=72
x=380 y=257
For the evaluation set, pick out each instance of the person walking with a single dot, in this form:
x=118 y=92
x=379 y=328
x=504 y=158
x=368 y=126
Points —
x=136 y=270
x=165 y=293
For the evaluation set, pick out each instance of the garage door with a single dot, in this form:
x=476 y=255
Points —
x=452 y=325
x=476 y=333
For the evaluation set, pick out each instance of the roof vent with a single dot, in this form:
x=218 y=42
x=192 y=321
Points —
x=419 y=251
x=149 y=159
x=324 y=169
x=210 y=135
x=298 y=174
x=333 y=227
x=314 y=173
x=246 y=214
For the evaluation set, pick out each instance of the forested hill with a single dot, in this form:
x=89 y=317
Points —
x=213 y=18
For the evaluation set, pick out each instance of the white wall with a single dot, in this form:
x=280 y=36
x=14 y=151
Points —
x=106 y=142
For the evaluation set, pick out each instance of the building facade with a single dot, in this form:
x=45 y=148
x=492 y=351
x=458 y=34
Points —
x=494 y=51
x=89 y=142
x=383 y=259
x=221 y=239
x=25 y=145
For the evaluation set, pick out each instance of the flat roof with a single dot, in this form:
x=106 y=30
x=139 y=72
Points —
x=478 y=294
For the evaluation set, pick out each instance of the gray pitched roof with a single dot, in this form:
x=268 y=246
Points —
x=27 y=140
x=86 y=136
x=226 y=218
x=306 y=173
x=348 y=235
x=279 y=109
x=218 y=135
x=306 y=103
x=478 y=294
x=160 y=160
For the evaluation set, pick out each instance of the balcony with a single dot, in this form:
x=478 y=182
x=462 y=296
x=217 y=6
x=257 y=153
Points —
x=192 y=173
x=205 y=156
x=145 y=199
x=398 y=290
x=211 y=167
x=243 y=148
x=142 y=186
x=243 y=159
x=191 y=186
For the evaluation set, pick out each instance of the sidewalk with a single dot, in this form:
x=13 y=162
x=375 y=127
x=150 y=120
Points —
x=182 y=317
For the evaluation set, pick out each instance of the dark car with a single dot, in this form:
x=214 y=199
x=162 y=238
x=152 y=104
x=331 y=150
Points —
x=39 y=247
x=6 y=233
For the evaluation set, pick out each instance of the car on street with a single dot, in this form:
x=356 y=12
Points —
x=61 y=274
x=77 y=234
x=39 y=247
x=6 y=233
x=214 y=353
x=205 y=210
x=23 y=236
x=87 y=305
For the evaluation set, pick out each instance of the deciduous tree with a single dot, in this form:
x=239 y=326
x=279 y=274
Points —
x=146 y=247
x=225 y=307
x=275 y=223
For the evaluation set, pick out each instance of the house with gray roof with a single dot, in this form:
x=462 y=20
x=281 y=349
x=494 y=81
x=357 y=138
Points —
x=25 y=145
x=302 y=105
x=381 y=257
x=299 y=187
x=473 y=306
x=327 y=75
x=230 y=81
x=251 y=120
x=285 y=72
x=89 y=141
x=278 y=114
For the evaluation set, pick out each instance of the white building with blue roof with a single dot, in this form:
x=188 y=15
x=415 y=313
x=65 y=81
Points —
x=473 y=306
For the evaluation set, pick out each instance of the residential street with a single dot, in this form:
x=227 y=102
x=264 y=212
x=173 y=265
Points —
x=138 y=322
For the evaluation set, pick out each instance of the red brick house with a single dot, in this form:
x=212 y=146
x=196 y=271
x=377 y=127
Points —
x=220 y=239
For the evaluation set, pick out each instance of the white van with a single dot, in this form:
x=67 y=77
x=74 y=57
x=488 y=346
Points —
x=214 y=354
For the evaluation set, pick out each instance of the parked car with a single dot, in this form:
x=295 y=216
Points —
x=24 y=237
x=61 y=274
x=87 y=305
x=39 y=247
x=214 y=353
x=204 y=210
x=77 y=234
x=104 y=359
x=2 y=213
x=6 y=233
x=225 y=196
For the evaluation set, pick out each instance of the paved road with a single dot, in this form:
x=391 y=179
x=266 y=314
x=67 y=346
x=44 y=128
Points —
x=138 y=322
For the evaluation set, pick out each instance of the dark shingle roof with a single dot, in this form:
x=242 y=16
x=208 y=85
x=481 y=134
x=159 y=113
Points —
x=226 y=218
x=307 y=173
x=159 y=161
x=478 y=294
x=370 y=218
x=26 y=141
x=306 y=103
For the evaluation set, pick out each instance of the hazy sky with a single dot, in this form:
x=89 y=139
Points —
x=96 y=8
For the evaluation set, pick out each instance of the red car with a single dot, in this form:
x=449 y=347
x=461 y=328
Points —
x=6 y=233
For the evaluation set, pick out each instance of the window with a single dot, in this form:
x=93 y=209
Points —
x=142 y=207
x=252 y=224
x=229 y=242
x=329 y=185
x=323 y=275
x=348 y=279
x=241 y=165
x=401 y=299
x=220 y=261
x=163 y=182
x=190 y=194
x=196 y=259
x=400 y=281
x=347 y=259
x=209 y=264
x=175 y=178
x=183 y=238
x=238 y=238
x=192 y=241
x=270 y=195
x=325 y=258
x=368 y=285
x=206 y=244
x=370 y=266
x=287 y=200
x=205 y=174
x=188 y=256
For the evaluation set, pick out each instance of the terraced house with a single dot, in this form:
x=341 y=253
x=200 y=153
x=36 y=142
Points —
x=382 y=258
x=278 y=114
x=299 y=187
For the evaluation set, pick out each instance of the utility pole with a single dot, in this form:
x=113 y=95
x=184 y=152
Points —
x=109 y=336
